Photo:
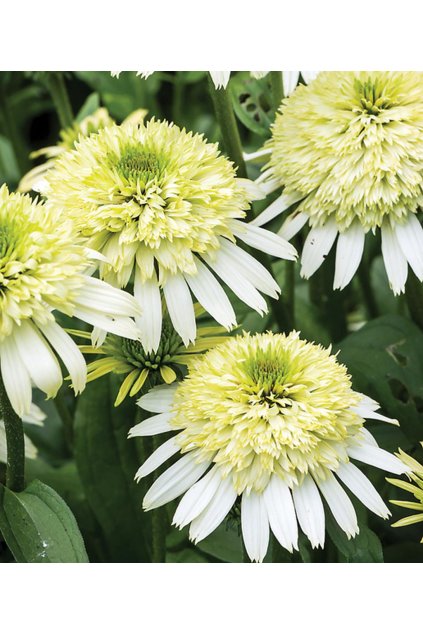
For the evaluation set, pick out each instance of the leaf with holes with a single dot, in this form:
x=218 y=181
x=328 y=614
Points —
x=252 y=102
x=385 y=360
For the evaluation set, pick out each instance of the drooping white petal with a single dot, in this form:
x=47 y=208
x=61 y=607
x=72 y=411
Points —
x=258 y=74
x=180 y=307
x=175 y=481
x=310 y=511
x=121 y=326
x=410 y=239
x=317 y=245
x=362 y=488
x=290 y=81
x=340 y=505
x=98 y=336
x=157 y=458
x=309 y=75
x=244 y=264
x=102 y=297
x=377 y=457
x=349 y=251
x=215 y=512
x=281 y=513
x=220 y=78
x=211 y=295
x=197 y=498
x=159 y=399
x=365 y=412
x=36 y=416
x=293 y=224
x=69 y=352
x=236 y=281
x=263 y=240
x=275 y=208
x=252 y=156
x=16 y=379
x=394 y=260
x=152 y=426
x=149 y=322
x=369 y=439
x=255 y=525
x=254 y=190
x=38 y=358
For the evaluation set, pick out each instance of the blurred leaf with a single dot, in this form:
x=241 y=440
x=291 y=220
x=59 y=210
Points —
x=9 y=169
x=107 y=463
x=90 y=105
x=252 y=102
x=364 y=548
x=224 y=544
x=186 y=556
x=39 y=527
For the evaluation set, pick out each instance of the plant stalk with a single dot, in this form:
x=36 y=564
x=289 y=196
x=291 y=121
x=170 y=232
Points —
x=414 y=297
x=59 y=94
x=15 y=469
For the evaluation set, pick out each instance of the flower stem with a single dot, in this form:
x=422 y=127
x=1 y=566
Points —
x=57 y=87
x=66 y=418
x=414 y=296
x=277 y=88
x=230 y=134
x=15 y=471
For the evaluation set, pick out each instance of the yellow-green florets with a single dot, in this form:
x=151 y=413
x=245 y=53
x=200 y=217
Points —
x=153 y=191
x=41 y=261
x=267 y=403
x=351 y=144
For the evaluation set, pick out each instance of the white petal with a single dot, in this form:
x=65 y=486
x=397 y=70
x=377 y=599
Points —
x=159 y=399
x=394 y=259
x=340 y=505
x=236 y=281
x=310 y=511
x=410 y=239
x=98 y=336
x=100 y=296
x=69 y=352
x=220 y=78
x=377 y=457
x=211 y=295
x=263 y=240
x=38 y=358
x=366 y=412
x=370 y=440
x=317 y=245
x=16 y=379
x=157 y=458
x=349 y=251
x=290 y=81
x=180 y=307
x=36 y=416
x=281 y=513
x=148 y=296
x=152 y=426
x=121 y=326
x=246 y=265
x=309 y=75
x=215 y=511
x=197 y=498
x=254 y=191
x=258 y=74
x=252 y=156
x=293 y=224
x=282 y=203
x=175 y=481
x=362 y=488
x=255 y=525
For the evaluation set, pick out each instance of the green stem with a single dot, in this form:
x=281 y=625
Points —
x=15 y=471
x=414 y=296
x=66 y=418
x=277 y=88
x=289 y=292
x=367 y=291
x=57 y=87
x=228 y=127
x=330 y=302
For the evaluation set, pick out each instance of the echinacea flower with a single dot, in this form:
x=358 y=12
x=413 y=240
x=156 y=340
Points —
x=416 y=475
x=272 y=419
x=35 y=417
x=42 y=269
x=163 y=203
x=348 y=149
x=90 y=124
x=141 y=368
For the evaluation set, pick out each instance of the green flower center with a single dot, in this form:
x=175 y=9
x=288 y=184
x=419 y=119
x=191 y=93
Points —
x=267 y=374
x=372 y=96
x=139 y=165
x=134 y=353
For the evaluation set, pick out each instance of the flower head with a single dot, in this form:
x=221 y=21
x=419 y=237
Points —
x=164 y=203
x=416 y=476
x=348 y=149
x=42 y=269
x=273 y=419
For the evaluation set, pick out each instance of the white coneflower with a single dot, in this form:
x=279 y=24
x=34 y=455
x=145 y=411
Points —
x=162 y=203
x=348 y=149
x=35 y=417
x=272 y=419
x=42 y=269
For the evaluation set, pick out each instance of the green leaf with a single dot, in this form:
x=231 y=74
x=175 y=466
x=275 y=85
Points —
x=39 y=527
x=224 y=543
x=364 y=548
x=107 y=462
x=252 y=102
x=385 y=360
x=90 y=105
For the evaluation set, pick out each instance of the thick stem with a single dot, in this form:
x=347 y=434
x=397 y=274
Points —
x=228 y=127
x=289 y=292
x=414 y=296
x=66 y=418
x=57 y=87
x=277 y=88
x=367 y=291
x=15 y=470
x=330 y=302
